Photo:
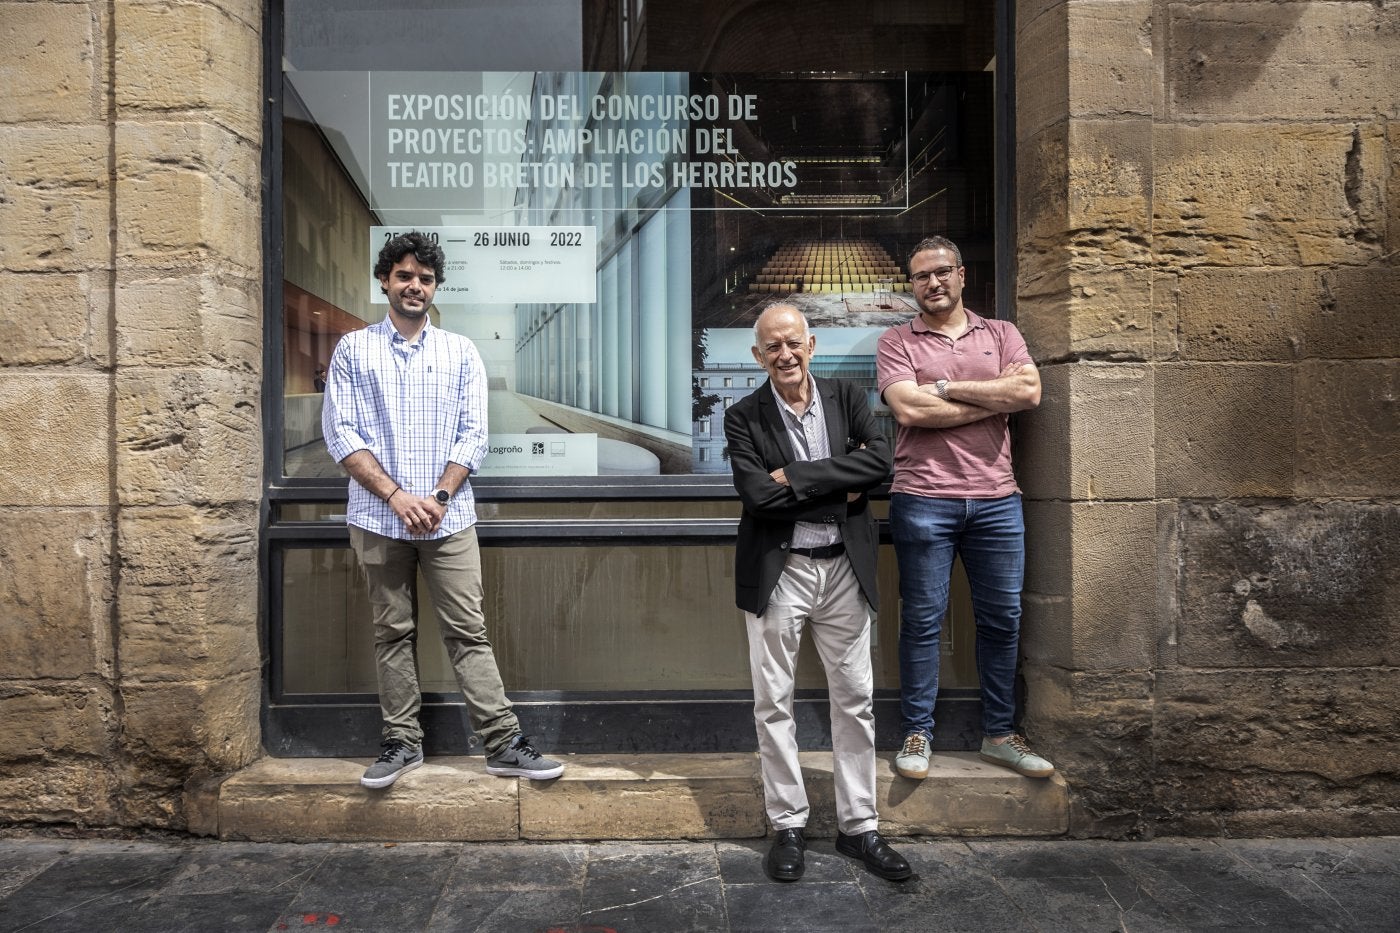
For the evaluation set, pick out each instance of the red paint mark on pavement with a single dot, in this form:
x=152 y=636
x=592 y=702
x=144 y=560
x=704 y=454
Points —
x=311 y=920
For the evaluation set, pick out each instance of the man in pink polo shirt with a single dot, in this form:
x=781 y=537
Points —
x=952 y=379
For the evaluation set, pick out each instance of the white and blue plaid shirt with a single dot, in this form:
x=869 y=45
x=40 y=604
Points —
x=415 y=406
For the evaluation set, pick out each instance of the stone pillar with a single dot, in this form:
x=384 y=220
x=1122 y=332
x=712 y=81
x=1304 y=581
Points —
x=130 y=469
x=1208 y=196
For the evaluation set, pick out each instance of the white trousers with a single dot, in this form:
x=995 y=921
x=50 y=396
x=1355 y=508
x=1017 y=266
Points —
x=823 y=596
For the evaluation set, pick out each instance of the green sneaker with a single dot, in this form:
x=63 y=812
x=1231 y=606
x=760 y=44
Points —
x=912 y=760
x=1015 y=754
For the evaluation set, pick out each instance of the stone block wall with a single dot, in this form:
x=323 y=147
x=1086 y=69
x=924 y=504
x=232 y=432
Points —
x=130 y=371
x=1209 y=254
x=1209 y=225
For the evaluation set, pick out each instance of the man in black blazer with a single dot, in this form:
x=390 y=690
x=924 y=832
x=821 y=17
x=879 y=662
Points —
x=804 y=452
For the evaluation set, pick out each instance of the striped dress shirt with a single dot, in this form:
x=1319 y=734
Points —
x=807 y=433
x=415 y=406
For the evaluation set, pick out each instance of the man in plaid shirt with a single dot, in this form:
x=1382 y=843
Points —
x=405 y=415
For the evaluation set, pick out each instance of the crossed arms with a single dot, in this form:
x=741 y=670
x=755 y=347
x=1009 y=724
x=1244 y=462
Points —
x=1015 y=388
x=806 y=490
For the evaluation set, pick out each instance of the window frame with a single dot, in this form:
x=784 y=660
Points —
x=348 y=724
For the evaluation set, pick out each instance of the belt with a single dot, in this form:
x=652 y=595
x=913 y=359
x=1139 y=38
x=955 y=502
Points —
x=820 y=553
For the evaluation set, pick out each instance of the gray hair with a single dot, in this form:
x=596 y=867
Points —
x=780 y=303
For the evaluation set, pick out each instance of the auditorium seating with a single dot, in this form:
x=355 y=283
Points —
x=829 y=267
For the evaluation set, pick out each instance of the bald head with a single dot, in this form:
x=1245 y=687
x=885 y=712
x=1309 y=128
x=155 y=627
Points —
x=783 y=346
x=775 y=311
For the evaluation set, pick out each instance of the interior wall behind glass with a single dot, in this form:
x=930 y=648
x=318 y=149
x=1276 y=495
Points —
x=866 y=127
x=325 y=226
x=671 y=265
x=631 y=618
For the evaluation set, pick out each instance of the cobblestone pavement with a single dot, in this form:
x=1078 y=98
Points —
x=99 y=885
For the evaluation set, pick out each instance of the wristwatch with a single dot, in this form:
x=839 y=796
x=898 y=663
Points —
x=442 y=496
x=941 y=387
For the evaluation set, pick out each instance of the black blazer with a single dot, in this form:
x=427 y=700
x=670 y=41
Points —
x=758 y=444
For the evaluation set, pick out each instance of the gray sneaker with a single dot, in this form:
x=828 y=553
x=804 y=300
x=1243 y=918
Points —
x=397 y=759
x=519 y=759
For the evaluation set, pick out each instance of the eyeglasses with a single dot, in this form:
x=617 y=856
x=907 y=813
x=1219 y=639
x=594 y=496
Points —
x=922 y=278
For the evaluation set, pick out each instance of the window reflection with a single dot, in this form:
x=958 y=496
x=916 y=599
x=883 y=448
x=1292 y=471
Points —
x=579 y=619
x=636 y=617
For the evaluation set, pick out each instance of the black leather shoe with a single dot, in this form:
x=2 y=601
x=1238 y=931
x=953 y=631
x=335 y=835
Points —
x=872 y=849
x=786 y=859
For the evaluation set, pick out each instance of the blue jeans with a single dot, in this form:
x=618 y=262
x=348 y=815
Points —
x=991 y=537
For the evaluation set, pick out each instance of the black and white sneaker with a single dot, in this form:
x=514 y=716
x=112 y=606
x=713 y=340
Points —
x=519 y=759
x=397 y=759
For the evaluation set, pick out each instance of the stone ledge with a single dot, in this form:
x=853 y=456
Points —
x=609 y=797
x=646 y=797
x=965 y=796
x=306 y=799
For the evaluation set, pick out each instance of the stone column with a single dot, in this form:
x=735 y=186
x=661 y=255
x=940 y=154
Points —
x=57 y=697
x=130 y=470
x=1207 y=262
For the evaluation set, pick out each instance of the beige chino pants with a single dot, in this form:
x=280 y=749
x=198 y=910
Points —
x=824 y=597
x=451 y=569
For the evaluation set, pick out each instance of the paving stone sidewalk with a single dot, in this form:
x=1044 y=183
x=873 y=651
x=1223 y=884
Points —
x=96 y=885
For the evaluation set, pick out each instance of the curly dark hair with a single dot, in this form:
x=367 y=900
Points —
x=423 y=249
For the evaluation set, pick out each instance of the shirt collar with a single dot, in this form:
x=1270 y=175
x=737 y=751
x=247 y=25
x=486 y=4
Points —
x=391 y=332
x=974 y=321
x=813 y=405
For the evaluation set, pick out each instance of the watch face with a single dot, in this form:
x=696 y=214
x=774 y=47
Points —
x=442 y=496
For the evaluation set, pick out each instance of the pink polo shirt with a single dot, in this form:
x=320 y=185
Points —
x=971 y=461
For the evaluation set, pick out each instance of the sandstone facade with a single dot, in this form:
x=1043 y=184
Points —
x=1208 y=229
x=1208 y=257
x=130 y=369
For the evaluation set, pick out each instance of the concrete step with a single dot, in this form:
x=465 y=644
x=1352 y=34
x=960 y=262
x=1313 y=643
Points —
x=605 y=797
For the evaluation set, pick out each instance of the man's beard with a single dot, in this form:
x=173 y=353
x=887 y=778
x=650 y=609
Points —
x=932 y=302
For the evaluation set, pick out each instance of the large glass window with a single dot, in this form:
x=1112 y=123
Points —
x=619 y=188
